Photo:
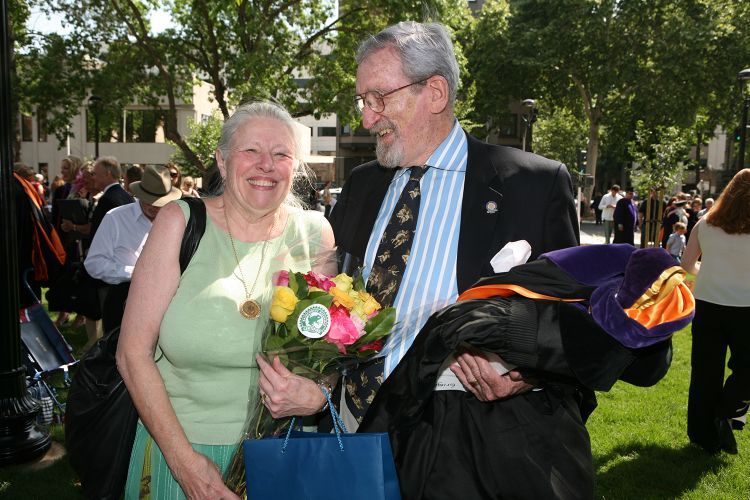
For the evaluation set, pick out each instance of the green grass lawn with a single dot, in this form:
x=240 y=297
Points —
x=638 y=438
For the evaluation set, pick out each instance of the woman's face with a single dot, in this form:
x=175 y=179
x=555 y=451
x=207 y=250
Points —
x=258 y=168
x=175 y=175
x=66 y=171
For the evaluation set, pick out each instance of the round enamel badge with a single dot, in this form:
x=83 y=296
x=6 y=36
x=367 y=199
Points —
x=314 y=321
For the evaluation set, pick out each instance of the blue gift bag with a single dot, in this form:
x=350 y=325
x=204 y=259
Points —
x=311 y=466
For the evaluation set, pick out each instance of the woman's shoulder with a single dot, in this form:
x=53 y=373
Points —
x=306 y=217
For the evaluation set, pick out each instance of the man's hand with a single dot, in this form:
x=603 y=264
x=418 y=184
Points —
x=481 y=379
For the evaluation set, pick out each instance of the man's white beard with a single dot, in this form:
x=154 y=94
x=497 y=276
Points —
x=389 y=156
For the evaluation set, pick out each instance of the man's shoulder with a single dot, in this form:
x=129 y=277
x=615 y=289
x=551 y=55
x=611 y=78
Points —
x=508 y=156
x=368 y=169
x=122 y=212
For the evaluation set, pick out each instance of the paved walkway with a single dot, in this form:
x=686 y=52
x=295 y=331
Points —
x=591 y=234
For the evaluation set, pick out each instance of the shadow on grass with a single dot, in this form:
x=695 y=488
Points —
x=652 y=471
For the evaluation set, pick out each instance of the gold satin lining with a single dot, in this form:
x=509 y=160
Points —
x=485 y=291
x=661 y=288
x=678 y=304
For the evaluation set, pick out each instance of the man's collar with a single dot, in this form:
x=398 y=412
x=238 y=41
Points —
x=109 y=186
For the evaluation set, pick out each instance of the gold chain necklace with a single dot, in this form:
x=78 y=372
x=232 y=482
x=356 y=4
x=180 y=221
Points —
x=250 y=308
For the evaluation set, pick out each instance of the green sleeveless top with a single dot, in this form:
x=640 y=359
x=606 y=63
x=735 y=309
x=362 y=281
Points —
x=207 y=357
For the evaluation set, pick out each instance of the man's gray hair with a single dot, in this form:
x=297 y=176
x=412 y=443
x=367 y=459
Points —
x=425 y=49
x=111 y=165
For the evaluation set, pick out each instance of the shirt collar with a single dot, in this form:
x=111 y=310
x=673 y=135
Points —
x=107 y=188
x=444 y=156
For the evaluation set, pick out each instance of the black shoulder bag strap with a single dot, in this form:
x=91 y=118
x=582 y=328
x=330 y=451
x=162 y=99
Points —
x=100 y=419
x=196 y=226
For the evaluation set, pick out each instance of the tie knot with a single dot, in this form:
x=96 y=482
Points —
x=417 y=172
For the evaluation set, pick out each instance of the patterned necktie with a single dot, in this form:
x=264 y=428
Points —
x=395 y=244
x=383 y=282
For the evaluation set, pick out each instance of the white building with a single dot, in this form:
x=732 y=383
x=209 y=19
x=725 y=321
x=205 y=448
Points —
x=140 y=137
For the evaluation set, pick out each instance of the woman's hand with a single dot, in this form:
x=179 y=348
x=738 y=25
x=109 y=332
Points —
x=286 y=394
x=200 y=479
x=66 y=225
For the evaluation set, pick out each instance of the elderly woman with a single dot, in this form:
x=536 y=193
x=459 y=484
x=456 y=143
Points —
x=721 y=240
x=188 y=344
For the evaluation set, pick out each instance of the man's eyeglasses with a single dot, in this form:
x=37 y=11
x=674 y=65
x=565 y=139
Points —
x=374 y=99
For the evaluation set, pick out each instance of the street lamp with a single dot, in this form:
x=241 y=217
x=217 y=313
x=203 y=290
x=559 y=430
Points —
x=95 y=106
x=529 y=117
x=744 y=77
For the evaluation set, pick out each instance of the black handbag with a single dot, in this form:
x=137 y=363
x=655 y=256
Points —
x=100 y=419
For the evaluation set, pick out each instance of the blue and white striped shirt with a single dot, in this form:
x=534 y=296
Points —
x=429 y=282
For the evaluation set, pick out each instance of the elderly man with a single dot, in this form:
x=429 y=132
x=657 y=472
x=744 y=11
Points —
x=120 y=239
x=107 y=180
x=424 y=221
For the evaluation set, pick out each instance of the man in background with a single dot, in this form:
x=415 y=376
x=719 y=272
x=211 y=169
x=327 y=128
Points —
x=607 y=206
x=120 y=238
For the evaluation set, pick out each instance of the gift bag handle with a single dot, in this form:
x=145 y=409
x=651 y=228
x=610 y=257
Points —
x=338 y=424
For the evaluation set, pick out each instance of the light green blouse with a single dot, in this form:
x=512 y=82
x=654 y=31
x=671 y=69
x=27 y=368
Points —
x=208 y=362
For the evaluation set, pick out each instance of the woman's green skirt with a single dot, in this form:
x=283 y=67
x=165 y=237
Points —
x=149 y=476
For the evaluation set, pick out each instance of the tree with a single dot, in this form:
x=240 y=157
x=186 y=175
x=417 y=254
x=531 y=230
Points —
x=560 y=135
x=202 y=140
x=659 y=155
x=618 y=61
x=245 y=49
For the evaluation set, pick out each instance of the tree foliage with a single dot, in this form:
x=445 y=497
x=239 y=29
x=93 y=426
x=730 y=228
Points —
x=203 y=138
x=658 y=153
x=617 y=61
x=560 y=135
x=298 y=53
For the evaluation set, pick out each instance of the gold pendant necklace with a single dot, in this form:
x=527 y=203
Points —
x=250 y=308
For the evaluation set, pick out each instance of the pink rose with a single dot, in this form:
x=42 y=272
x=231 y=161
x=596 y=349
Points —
x=282 y=279
x=375 y=345
x=343 y=331
x=318 y=281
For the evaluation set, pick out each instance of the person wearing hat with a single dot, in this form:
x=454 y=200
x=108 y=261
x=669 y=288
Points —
x=120 y=239
x=676 y=213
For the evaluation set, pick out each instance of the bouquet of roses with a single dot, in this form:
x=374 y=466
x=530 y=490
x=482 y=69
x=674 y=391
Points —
x=318 y=326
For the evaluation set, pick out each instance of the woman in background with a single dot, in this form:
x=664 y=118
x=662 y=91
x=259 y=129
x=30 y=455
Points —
x=721 y=239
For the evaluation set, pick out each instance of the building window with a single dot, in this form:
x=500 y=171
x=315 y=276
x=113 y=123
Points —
x=41 y=127
x=301 y=83
x=27 y=134
x=110 y=127
x=146 y=126
x=326 y=131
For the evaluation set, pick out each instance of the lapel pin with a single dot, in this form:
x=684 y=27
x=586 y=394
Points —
x=491 y=207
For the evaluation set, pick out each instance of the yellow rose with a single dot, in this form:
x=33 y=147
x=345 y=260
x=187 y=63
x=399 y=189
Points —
x=369 y=304
x=341 y=297
x=343 y=282
x=283 y=303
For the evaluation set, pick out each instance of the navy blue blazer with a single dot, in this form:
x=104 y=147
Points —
x=533 y=196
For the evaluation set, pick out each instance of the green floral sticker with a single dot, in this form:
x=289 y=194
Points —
x=314 y=321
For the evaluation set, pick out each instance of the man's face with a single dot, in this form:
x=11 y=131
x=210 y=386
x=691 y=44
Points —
x=629 y=195
x=102 y=177
x=148 y=210
x=402 y=130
